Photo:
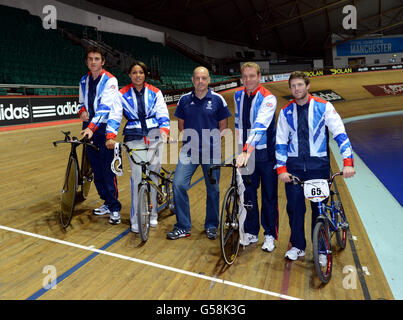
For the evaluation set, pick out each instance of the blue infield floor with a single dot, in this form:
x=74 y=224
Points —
x=377 y=187
x=379 y=143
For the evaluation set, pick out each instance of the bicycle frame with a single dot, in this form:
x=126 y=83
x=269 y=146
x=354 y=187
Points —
x=146 y=172
x=326 y=225
x=327 y=212
x=230 y=227
x=74 y=177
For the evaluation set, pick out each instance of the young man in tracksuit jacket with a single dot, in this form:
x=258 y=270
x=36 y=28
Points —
x=98 y=94
x=302 y=149
x=255 y=108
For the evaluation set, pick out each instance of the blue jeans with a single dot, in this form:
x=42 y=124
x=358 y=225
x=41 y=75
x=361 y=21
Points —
x=181 y=184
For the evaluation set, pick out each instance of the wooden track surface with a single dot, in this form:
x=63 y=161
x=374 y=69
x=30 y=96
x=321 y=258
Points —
x=31 y=174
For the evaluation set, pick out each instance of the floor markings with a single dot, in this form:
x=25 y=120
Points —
x=152 y=264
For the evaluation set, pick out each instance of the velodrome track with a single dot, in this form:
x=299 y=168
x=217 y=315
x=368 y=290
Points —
x=95 y=260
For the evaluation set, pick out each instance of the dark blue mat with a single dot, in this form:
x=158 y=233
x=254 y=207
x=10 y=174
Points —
x=379 y=143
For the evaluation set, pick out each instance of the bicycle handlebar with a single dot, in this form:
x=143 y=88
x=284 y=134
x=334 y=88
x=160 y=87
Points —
x=74 y=140
x=129 y=151
x=230 y=165
x=297 y=180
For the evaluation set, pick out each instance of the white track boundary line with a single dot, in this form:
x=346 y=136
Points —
x=152 y=264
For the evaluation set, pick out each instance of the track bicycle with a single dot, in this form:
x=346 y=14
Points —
x=75 y=176
x=164 y=189
x=331 y=220
x=229 y=219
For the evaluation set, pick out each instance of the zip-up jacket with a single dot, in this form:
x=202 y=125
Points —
x=106 y=98
x=261 y=117
x=156 y=112
x=311 y=124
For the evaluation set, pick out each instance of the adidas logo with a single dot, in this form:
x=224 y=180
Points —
x=12 y=113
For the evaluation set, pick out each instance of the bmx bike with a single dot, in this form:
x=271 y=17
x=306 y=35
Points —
x=164 y=189
x=331 y=220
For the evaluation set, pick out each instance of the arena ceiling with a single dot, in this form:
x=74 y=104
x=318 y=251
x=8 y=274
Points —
x=295 y=27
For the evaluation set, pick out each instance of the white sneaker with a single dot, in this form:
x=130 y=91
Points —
x=294 y=253
x=114 y=217
x=268 y=244
x=323 y=260
x=102 y=210
x=153 y=221
x=248 y=239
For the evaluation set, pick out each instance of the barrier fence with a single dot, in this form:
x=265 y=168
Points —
x=15 y=110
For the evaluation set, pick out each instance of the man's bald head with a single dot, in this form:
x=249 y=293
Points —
x=201 y=70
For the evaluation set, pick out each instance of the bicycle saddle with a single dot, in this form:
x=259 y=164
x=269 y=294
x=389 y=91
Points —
x=116 y=165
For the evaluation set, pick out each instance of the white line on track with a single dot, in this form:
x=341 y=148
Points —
x=152 y=264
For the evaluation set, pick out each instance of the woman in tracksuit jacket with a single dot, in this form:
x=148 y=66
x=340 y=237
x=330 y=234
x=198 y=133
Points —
x=302 y=149
x=147 y=117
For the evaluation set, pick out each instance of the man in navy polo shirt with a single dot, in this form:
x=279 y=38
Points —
x=202 y=116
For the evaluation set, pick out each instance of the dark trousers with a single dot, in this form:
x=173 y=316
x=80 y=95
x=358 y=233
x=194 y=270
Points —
x=296 y=206
x=265 y=175
x=104 y=179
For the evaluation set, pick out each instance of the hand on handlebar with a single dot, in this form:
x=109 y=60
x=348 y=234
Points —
x=285 y=177
x=87 y=132
x=348 y=172
x=242 y=159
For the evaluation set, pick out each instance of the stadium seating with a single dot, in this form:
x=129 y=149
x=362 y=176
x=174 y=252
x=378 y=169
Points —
x=32 y=55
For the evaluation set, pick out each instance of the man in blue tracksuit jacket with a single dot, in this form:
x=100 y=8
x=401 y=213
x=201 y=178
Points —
x=98 y=94
x=302 y=150
x=255 y=108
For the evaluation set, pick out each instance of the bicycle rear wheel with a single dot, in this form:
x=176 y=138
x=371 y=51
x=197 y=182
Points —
x=86 y=175
x=69 y=192
x=342 y=224
x=143 y=213
x=322 y=251
x=229 y=226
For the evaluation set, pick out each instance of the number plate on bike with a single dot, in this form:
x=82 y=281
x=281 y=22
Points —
x=316 y=190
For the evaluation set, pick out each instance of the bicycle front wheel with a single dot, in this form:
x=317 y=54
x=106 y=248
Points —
x=143 y=213
x=69 y=192
x=322 y=251
x=229 y=226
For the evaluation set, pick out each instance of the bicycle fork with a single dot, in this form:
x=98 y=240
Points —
x=322 y=216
